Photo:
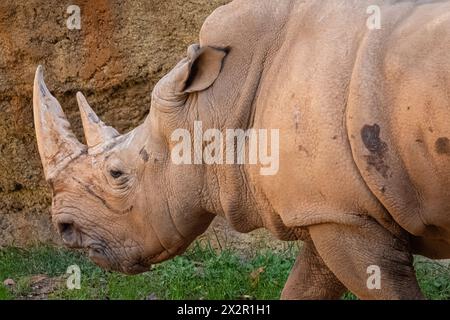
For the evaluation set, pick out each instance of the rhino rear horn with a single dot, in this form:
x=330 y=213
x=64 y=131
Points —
x=95 y=131
x=56 y=142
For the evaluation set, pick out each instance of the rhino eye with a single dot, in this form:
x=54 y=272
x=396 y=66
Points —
x=115 y=173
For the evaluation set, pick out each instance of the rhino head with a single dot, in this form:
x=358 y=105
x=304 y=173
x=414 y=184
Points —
x=120 y=196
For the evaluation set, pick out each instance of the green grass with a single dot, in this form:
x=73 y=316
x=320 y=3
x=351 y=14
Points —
x=5 y=294
x=434 y=279
x=201 y=273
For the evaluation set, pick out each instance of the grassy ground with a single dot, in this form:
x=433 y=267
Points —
x=202 y=273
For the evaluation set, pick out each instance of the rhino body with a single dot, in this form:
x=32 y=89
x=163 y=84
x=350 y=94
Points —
x=364 y=160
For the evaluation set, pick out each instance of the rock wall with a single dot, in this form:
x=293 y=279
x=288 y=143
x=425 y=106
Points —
x=122 y=49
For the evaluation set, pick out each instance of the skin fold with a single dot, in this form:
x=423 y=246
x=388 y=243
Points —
x=364 y=155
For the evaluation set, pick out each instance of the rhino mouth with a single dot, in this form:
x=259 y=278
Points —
x=104 y=260
x=117 y=258
x=99 y=258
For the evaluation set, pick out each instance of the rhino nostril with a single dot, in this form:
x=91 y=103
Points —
x=64 y=227
x=68 y=233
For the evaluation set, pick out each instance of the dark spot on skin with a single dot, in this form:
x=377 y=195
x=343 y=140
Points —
x=383 y=189
x=442 y=146
x=303 y=149
x=297 y=119
x=144 y=154
x=93 y=118
x=419 y=140
x=370 y=136
x=335 y=137
x=430 y=129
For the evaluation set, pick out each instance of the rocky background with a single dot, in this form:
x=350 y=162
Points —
x=122 y=49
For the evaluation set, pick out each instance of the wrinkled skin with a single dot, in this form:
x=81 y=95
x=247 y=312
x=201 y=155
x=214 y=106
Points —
x=364 y=175
x=121 y=219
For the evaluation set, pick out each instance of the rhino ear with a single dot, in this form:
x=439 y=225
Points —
x=202 y=68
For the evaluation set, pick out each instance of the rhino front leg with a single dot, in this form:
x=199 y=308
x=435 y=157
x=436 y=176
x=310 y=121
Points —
x=358 y=253
x=310 y=278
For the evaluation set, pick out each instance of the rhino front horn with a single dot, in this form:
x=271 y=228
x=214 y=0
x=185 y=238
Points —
x=95 y=131
x=56 y=142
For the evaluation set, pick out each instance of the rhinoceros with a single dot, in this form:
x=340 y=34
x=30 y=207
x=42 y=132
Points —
x=363 y=115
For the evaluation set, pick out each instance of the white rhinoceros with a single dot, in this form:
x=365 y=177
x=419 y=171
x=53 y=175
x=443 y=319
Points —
x=363 y=113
